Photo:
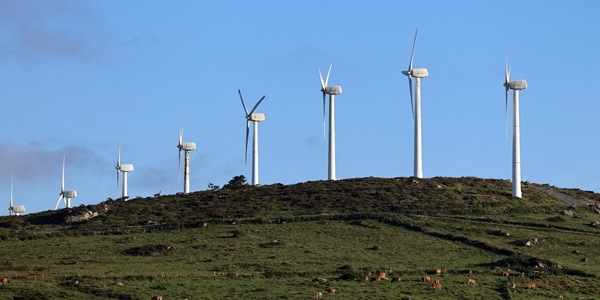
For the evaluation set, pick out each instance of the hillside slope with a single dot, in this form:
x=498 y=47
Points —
x=273 y=242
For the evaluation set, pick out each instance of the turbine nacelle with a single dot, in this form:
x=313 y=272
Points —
x=190 y=146
x=417 y=73
x=520 y=84
x=69 y=194
x=332 y=90
x=259 y=117
x=17 y=209
x=125 y=168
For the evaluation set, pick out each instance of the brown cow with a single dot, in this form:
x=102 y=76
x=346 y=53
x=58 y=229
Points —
x=560 y=297
x=4 y=280
x=437 y=286
x=380 y=276
x=318 y=295
x=438 y=272
x=157 y=298
x=425 y=279
x=396 y=279
x=531 y=286
x=505 y=273
x=471 y=281
x=331 y=291
x=368 y=275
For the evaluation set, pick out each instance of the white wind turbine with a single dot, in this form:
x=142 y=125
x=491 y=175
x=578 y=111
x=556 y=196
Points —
x=14 y=209
x=187 y=147
x=417 y=74
x=516 y=86
x=331 y=91
x=66 y=195
x=255 y=119
x=125 y=168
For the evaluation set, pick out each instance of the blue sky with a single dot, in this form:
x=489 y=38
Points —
x=78 y=75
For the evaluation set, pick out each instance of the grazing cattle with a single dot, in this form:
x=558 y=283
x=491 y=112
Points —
x=396 y=279
x=368 y=275
x=531 y=286
x=435 y=281
x=331 y=291
x=505 y=273
x=4 y=280
x=157 y=298
x=471 y=281
x=560 y=297
x=437 y=286
x=380 y=276
x=425 y=279
x=318 y=295
x=468 y=272
x=438 y=272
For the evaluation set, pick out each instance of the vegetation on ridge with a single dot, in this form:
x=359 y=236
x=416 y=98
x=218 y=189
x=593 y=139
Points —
x=274 y=241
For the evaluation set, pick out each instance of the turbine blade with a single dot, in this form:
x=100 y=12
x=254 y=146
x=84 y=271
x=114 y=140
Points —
x=506 y=74
x=507 y=88
x=412 y=107
x=179 y=167
x=327 y=78
x=58 y=202
x=507 y=112
x=413 y=52
x=322 y=82
x=244 y=104
x=255 y=106
x=62 y=185
x=180 y=136
x=119 y=155
x=247 y=133
x=11 y=189
x=117 y=183
x=324 y=95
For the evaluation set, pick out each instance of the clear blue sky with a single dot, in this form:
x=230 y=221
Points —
x=75 y=76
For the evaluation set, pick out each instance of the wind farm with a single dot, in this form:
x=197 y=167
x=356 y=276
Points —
x=65 y=195
x=122 y=168
x=331 y=91
x=403 y=194
x=255 y=119
x=415 y=109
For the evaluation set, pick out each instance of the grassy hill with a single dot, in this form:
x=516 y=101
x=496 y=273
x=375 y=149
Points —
x=275 y=241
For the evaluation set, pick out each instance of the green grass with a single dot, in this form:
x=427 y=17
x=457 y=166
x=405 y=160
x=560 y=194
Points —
x=272 y=242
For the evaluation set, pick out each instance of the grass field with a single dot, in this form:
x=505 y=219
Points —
x=275 y=255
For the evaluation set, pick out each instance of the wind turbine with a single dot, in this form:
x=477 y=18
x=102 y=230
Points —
x=187 y=147
x=14 y=209
x=331 y=91
x=125 y=168
x=516 y=86
x=417 y=74
x=66 y=195
x=255 y=119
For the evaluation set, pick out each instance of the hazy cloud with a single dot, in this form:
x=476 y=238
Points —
x=49 y=29
x=34 y=161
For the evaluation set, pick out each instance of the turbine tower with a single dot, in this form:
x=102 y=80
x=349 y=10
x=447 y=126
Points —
x=516 y=86
x=187 y=147
x=255 y=119
x=417 y=74
x=331 y=91
x=125 y=168
x=66 y=195
x=14 y=209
